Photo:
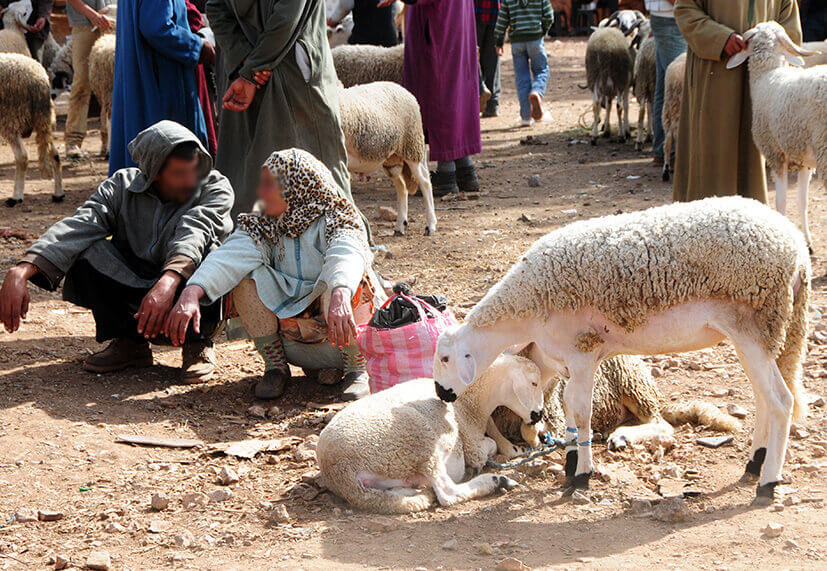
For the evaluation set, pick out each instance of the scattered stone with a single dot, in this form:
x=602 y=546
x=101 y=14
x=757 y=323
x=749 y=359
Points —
x=534 y=181
x=61 y=562
x=228 y=476
x=220 y=495
x=195 y=500
x=675 y=488
x=158 y=526
x=304 y=453
x=45 y=515
x=772 y=529
x=512 y=564
x=159 y=502
x=671 y=510
x=484 y=548
x=791 y=544
x=640 y=506
x=714 y=441
x=273 y=412
x=736 y=410
x=777 y=508
x=450 y=545
x=25 y=515
x=257 y=411
x=719 y=393
x=579 y=498
x=382 y=524
x=810 y=468
x=184 y=539
x=99 y=560
x=586 y=559
x=388 y=213
x=278 y=514
x=311 y=477
x=532 y=468
x=799 y=432
x=818 y=402
x=656 y=372
x=114 y=527
x=525 y=218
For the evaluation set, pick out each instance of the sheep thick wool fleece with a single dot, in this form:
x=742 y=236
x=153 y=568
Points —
x=360 y=64
x=631 y=265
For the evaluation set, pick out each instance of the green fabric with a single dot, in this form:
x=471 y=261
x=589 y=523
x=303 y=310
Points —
x=528 y=20
x=272 y=351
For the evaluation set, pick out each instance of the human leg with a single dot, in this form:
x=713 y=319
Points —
x=490 y=67
x=522 y=78
x=539 y=71
x=83 y=37
x=669 y=44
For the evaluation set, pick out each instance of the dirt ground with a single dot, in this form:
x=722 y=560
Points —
x=59 y=425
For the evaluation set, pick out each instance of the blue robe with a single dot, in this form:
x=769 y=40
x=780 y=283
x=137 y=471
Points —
x=155 y=57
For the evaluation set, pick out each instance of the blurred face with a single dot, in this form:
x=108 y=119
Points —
x=269 y=194
x=177 y=180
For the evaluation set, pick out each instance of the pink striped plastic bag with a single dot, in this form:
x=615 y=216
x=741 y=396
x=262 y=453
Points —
x=404 y=353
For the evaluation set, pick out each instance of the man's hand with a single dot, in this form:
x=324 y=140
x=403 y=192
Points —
x=734 y=44
x=101 y=22
x=500 y=51
x=187 y=309
x=14 y=296
x=239 y=95
x=341 y=328
x=384 y=3
x=38 y=25
x=207 y=56
x=261 y=77
x=156 y=304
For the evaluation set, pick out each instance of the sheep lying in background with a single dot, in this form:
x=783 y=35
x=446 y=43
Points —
x=102 y=82
x=609 y=72
x=13 y=34
x=645 y=73
x=671 y=115
x=669 y=279
x=392 y=451
x=624 y=391
x=26 y=107
x=358 y=64
x=788 y=110
x=383 y=129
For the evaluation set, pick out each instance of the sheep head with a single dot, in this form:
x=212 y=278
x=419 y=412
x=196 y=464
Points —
x=17 y=14
x=455 y=366
x=771 y=42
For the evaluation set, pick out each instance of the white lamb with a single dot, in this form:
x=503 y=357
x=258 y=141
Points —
x=392 y=451
x=669 y=279
x=13 y=34
x=383 y=129
x=671 y=116
x=788 y=111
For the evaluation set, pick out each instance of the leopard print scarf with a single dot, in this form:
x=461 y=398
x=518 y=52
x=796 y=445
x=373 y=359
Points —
x=310 y=192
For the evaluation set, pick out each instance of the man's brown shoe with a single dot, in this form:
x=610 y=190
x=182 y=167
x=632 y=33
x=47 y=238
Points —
x=197 y=362
x=536 y=106
x=119 y=354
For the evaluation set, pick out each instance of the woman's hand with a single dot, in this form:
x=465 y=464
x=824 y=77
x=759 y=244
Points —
x=187 y=309
x=341 y=328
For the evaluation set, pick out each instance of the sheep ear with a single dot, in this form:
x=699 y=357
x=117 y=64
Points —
x=737 y=59
x=795 y=60
x=467 y=369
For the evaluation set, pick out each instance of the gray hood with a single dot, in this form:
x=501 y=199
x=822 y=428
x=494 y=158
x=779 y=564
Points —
x=151 y=147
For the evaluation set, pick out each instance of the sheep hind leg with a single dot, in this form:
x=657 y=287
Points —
x=781 y=188
x=423 y=177
x=758 y=450
x=607 y=127
x=627 y=130
x=395 y=174
x=804 y=175
x=57 y=174
x=104 y=129
x=577 y=399
x=650 y=112
x=596 y=121
x=449 y=492
x=641 y=131
x=667 y=154
x=21 y=161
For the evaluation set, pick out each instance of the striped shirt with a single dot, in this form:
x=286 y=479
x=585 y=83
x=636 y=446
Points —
x=528 y=20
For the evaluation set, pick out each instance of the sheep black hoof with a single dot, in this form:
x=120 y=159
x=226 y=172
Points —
x=429 y=232
x=504 y=483
x=398 y=233
x=579 y=482
x=593 y=141
x=753 y=470
x=638 y=146
x=665 y=175
x=617 y=443
x=810 y=249
x=58 y=198
x=765 y=493
x=12 y=202
x=571 y=466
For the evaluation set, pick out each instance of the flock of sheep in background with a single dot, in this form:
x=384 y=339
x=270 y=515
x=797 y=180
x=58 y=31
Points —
x=382 y=124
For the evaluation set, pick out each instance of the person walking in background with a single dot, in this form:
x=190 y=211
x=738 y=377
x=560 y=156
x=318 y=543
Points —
x=716 y=154
x=669 y=44
x=529 y=22
x=486 y=12
x=442 y=71
x=155 y=57
x=280 y=90
x=372 y=24
x=88 y=21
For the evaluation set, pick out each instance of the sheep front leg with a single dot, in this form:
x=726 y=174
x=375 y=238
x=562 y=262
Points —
x=607 y=128
x=650 y=113
x=57 y=174
x=577 y=400
x=627 y=131
x=781 y=189
x=449 y=492
x=21 y=161
x=596 y=116
x=641 y=132
x=804 y=175
x=423 y=177
x=395 y=172
x=504 y=445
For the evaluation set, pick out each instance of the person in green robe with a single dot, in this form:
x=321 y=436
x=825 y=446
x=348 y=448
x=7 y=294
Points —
x=279 y=88
x=716 y=155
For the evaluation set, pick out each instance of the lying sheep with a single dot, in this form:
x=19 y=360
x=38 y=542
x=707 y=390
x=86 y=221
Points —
x=358 y=64
x=26 y=107
x=645 y=73
x=669 y=279
x=392 y=451
x=624 y=391
x=609 y=72
x=788 y=110
x=671 y=115
x=13 y=34
x=383 y=128
x=102 y=81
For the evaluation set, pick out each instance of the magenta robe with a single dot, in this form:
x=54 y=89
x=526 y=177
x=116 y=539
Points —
x=441 y=71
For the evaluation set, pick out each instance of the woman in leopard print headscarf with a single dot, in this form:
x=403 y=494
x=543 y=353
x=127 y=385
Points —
x=300 y=274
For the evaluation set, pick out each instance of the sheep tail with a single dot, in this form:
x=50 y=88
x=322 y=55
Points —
x=795 y=345
x=411 y=184
x=45 y=147
x=700 y=412
x=389 y=502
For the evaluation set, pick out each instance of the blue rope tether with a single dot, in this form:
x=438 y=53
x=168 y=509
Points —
x=549 y=445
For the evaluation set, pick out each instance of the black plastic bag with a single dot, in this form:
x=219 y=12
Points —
x=400 y=311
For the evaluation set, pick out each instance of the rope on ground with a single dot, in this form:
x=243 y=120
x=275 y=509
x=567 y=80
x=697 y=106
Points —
x=549 y=445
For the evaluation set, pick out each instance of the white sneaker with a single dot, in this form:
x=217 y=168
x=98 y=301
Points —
x=526 y=122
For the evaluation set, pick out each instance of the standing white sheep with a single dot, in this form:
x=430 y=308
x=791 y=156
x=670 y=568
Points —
x=671 y=115
x=669 y=279
x=609 y=73
x=383 y=129
x=102 y=82
x=25 y=108
x=645 y=72
x=13 y=34
x=788 y=111
x=388 y=451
